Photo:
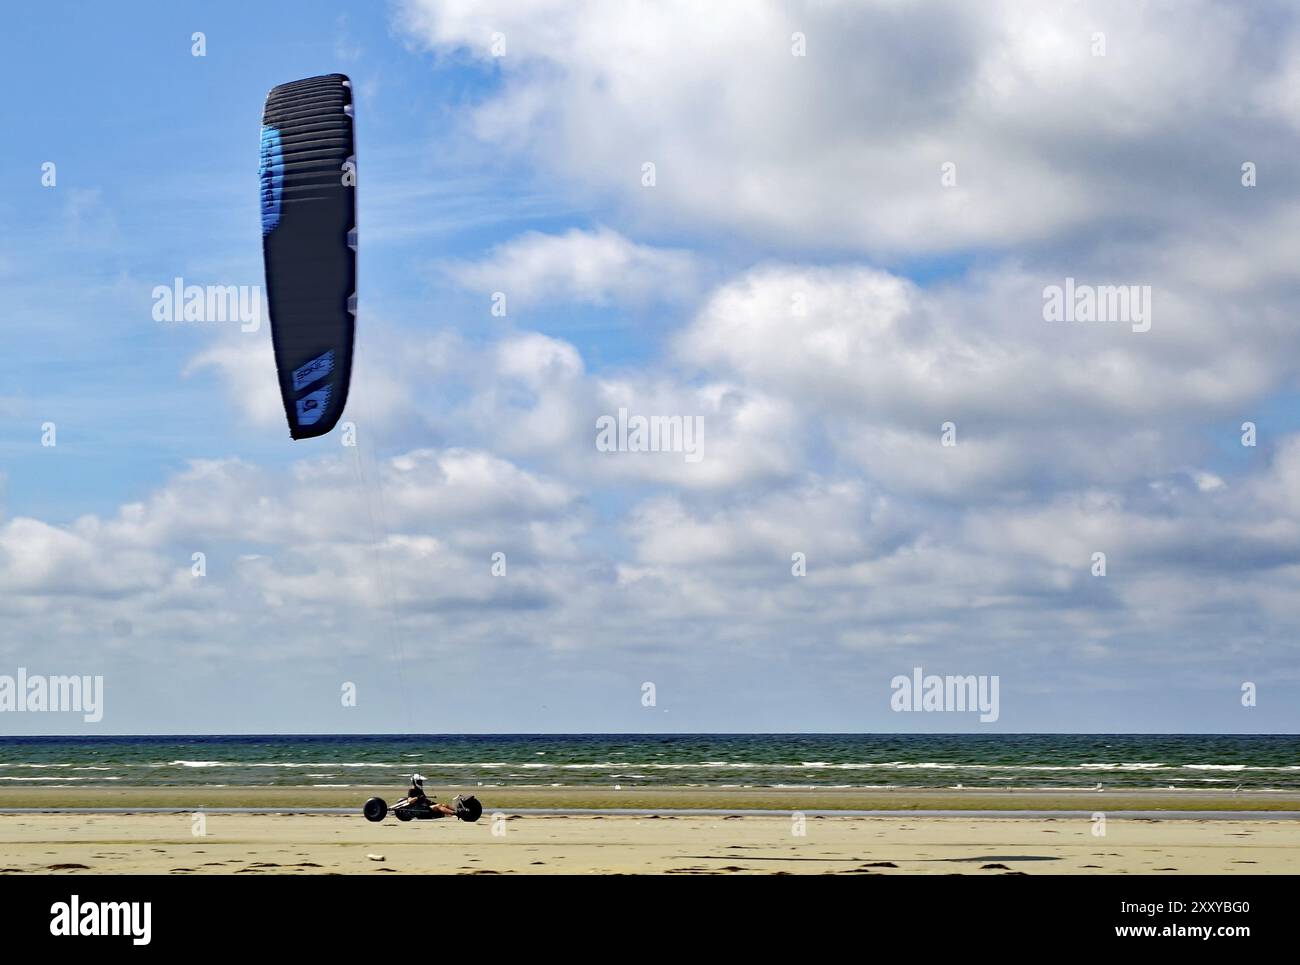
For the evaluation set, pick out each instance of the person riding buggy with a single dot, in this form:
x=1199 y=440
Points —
x=416 y=797
x=419 y=805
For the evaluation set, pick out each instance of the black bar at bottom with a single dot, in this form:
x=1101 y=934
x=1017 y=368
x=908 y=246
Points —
x=390 y=914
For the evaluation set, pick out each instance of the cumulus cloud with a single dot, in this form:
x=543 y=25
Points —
x=875 y=365
x=50 y=561
x=411 y=533
x=599 y=267
x=246 y=365
x=1059 y=118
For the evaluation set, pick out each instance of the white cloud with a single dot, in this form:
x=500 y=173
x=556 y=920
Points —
x=875 y=365
x=843 y=147
x=327 y=536
x=39 y=559
x=599 y=267
x=246 y=364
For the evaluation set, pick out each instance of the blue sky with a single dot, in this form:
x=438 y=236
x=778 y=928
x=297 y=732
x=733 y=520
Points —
x=780 y=178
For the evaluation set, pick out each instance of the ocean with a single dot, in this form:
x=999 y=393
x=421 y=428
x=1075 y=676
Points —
x=1258 y=761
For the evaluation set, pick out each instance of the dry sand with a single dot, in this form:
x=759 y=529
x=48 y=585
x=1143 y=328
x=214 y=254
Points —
x=587 y=844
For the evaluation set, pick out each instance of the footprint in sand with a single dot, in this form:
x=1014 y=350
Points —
x=72 y=866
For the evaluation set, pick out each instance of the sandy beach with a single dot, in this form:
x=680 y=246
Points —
x=595 y=844
x=735 y=843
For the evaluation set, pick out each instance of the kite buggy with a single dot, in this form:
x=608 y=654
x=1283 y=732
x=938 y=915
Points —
x=419 y=806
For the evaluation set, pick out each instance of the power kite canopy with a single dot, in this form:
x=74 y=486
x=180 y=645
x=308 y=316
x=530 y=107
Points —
x=309 y=245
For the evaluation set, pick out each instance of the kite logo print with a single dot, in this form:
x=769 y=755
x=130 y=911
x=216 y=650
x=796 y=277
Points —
x=313 y=371
x=312 y=406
